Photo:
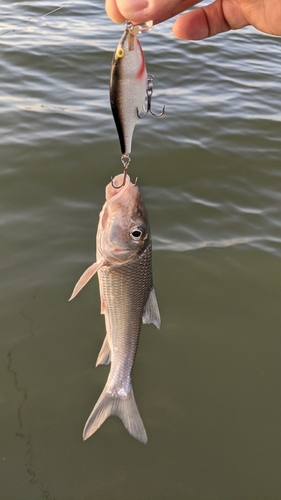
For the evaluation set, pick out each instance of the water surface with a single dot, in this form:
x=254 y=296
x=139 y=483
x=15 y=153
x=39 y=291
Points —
x=208 y=384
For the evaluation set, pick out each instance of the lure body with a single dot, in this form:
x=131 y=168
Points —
x=128 y=83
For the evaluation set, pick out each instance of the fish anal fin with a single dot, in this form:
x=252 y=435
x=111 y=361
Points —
x=151 y=312
x=86 y=276
x=104 y=356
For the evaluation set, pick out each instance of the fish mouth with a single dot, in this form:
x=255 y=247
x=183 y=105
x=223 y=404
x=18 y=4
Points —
x=116 y=193
x=125 y=200
x=120 y=202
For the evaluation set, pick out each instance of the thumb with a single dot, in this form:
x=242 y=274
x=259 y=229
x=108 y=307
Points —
x=208 y=21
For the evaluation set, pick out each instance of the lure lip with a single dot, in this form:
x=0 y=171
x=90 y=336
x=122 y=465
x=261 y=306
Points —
x=137 y=29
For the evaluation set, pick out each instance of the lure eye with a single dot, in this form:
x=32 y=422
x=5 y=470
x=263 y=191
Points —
x=136 y=233
x=120 y=52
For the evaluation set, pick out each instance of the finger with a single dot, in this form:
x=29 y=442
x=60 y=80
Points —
x=201 y=23
x=208 y=21
x=113 y=11
x=140 y=11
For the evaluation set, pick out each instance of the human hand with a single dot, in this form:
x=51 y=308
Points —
x=203 y=22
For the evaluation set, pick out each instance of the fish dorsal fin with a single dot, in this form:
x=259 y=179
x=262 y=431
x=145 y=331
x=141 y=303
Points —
x=151 y=312
x=86 y=276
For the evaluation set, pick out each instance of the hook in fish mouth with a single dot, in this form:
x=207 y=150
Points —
x=126 y=160
x=123 y=182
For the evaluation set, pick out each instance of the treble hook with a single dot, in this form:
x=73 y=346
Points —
x=149 y=92
x=126 y=160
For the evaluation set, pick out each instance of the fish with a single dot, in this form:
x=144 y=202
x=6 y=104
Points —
x=128 y=85
x=128 y=299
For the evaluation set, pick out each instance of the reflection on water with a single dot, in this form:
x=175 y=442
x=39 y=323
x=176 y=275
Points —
x=209 y=172
x=22 y=396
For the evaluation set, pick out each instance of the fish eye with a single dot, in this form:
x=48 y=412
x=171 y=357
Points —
x=120 y=52
x=136 y=233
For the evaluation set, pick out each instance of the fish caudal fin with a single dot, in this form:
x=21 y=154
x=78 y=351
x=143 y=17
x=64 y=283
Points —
x=151 y=312
x=104 y=356
x=123 y=407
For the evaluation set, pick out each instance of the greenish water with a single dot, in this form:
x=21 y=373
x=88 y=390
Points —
x=208 y=383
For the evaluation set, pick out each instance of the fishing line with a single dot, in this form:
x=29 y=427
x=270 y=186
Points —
x=20 y=30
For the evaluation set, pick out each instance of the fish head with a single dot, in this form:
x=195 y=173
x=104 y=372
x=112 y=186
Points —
x=123 y=231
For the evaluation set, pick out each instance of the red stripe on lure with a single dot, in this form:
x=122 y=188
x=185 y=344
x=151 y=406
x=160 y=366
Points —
x=142 y=70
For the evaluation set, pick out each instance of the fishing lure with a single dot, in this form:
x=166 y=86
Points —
x=129 y=86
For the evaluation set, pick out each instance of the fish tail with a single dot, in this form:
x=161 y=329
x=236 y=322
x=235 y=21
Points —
x=123 y=407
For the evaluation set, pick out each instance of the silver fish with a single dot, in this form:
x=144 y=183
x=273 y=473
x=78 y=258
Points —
x=127 y=300
x=128 y=84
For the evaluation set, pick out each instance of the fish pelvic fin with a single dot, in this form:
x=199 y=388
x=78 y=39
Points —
x=123 y=407
x=86 y=276
x=104 y=356
x=151 y=312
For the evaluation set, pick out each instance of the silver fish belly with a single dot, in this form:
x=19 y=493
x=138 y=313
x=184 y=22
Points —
x=128 y=83
x=127 y=300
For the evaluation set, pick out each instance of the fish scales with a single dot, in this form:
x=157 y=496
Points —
x=128 y=299
x=125 y=290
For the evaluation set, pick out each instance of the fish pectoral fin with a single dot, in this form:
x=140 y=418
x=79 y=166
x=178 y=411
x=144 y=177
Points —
x=86 y=276
x=104 y=356
x=151 y=312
